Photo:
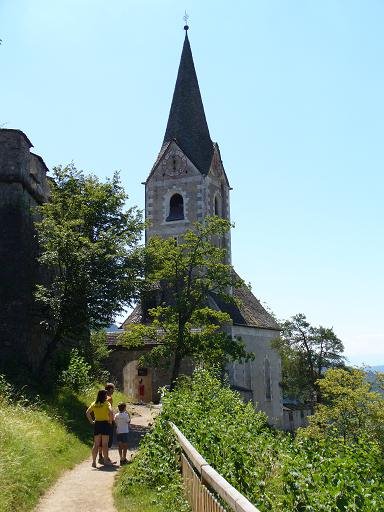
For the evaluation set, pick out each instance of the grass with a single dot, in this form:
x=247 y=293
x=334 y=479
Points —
x=132 y=495
x=38 y=441
x=34 y=449
x=71 y=409
x=139 y=499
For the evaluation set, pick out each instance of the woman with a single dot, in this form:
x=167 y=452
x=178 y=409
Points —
x=102 y=411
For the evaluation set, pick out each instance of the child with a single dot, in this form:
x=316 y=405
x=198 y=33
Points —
x=122 y=421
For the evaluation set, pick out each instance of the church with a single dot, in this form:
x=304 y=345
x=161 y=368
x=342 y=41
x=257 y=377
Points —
x=187 y=183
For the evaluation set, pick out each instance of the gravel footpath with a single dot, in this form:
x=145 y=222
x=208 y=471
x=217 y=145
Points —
x=85 y=489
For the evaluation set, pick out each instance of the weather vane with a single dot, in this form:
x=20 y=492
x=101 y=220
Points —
x=186 y=18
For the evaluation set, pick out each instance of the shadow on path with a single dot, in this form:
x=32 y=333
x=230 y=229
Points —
x=136 y=433
x=108 y=469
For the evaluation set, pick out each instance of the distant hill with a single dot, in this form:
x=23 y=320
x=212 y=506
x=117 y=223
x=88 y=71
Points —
x=111 y=328
x=377 y=368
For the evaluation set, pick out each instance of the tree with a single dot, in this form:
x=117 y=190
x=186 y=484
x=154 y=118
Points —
x=350 y=409
x=89 y=244
x=307 y=352
x=188 y=271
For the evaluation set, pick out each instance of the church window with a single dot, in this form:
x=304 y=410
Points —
x=267 y=380
x=176 y=208
x=217 y=209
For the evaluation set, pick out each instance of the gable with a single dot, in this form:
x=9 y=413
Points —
x=172 y=164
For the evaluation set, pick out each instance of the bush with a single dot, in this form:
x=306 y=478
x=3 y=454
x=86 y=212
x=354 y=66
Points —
x=273 y=470
x=77 y=376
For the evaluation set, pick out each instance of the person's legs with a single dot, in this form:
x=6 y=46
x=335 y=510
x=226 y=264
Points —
x=100 y=453
x=110 y=440
x=124 y=450
x=121 y=450
x=95 y=448
x=101 y=460
x=104 y=446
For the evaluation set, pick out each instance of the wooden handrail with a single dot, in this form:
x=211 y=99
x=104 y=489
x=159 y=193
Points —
x=219 y=484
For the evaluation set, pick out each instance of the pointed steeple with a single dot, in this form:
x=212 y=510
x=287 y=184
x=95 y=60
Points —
x=186 y=122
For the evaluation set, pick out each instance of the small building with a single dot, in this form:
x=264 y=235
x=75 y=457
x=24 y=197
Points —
x=295 y=415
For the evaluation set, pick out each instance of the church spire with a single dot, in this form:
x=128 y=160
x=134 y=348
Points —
x=186 y=122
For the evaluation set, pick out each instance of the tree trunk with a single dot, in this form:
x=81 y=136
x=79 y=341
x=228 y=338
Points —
x=50 y=350
x=175 y=369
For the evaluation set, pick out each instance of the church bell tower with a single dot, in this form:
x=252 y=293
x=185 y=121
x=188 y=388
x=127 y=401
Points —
x=187 y=182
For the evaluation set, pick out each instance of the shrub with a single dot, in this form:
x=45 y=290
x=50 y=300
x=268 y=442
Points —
x=273 y=470
x=77 y=375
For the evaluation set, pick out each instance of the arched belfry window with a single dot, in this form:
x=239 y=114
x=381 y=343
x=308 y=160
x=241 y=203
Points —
x=176 y=208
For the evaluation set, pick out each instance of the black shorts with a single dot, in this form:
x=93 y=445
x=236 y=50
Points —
x=122 y=438
x=101 y=427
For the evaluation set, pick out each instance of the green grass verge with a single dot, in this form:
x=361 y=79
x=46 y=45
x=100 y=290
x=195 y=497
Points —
x=133 y=494
x=34 y=450
x=139 y=499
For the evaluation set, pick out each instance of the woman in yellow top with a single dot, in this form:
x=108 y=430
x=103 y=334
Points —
x=102 y=411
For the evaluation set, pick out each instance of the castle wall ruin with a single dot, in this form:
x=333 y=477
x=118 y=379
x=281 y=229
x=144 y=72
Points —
x=23 y=186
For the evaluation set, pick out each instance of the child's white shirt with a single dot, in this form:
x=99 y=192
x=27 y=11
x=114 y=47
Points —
x=122 y=420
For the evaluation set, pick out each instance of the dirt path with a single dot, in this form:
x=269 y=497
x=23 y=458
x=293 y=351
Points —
x=85 y=489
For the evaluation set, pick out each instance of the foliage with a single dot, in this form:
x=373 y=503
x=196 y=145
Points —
x=99 y=352
x=306 y=353
x=323 y=475
x=77 y=375
x=5 y=389
x=89 y=243
x=187 y=271
x=275 y=471
x=351 y=411
x=376 y=379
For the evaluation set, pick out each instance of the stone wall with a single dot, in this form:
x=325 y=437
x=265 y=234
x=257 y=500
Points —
x=23 y=185
x=197 y=190
x=262 y=376
x=123 y=373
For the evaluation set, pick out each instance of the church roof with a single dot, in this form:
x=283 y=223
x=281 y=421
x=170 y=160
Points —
x=187 y=123
x=135 y=317
x=252 y=312
x=247 y=311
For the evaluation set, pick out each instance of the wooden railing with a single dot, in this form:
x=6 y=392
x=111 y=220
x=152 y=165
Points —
x=203 y=484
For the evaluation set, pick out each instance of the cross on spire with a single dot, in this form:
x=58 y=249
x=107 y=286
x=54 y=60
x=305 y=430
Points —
x=186 y=18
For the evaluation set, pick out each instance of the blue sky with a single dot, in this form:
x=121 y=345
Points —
x=293 y=94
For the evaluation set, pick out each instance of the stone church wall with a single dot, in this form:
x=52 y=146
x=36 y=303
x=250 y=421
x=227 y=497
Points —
x=122 y=366
x=262 y=375
x=23 y=185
